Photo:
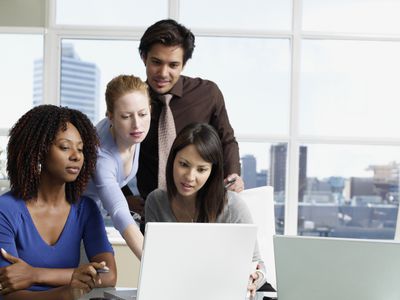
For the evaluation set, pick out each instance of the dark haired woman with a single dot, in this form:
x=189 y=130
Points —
x=195 y=188
x=51 y=156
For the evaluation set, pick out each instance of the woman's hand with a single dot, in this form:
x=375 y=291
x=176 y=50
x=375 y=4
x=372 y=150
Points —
x=256 y=279
x=85 y=278
x=17 y=276
x=252 y=286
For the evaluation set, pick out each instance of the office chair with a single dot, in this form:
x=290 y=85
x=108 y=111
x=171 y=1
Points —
x=261 y=205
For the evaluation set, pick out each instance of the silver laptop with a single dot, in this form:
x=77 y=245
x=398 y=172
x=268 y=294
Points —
x=313 y=268
x=194 y=261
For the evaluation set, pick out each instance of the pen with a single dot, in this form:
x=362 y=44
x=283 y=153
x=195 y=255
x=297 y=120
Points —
x=103 y=270
x=230 y=182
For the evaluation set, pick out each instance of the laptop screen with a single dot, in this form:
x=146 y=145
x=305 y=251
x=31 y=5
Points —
x=316 y=268
x=196 y=261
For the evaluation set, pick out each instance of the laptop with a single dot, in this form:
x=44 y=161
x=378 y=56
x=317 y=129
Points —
x=314 y=268
x=194 y=261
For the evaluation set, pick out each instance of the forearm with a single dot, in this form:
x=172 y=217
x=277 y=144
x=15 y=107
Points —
x=134 y=239
x=52 y=277
x=231 y=158
x=60 y=293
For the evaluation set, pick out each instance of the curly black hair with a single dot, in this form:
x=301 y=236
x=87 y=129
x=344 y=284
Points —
x=29 y=144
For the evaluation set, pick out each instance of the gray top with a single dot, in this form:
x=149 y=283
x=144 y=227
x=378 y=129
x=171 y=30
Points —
x=158 y=209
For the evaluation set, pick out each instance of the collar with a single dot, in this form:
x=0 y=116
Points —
x=177 y=89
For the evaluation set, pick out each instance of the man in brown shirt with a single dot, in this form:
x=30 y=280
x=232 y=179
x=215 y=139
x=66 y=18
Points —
x=165 y=48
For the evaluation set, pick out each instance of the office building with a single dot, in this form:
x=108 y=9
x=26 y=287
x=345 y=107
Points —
x=277 y=177
x=262 y=178
x=277 y=167
x=80 y=83
x=249 y=171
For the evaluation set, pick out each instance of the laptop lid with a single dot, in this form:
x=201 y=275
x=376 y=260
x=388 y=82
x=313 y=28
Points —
x=196 y=261
x=316 y=268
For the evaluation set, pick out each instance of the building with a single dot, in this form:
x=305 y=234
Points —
x=277 y=174
x=277 y=167
x=262 y=178
x=249 y=171
x=80 y=83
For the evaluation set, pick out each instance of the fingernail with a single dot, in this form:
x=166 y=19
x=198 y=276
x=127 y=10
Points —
x=3 y=251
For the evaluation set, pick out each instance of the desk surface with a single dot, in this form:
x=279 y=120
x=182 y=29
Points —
x=100 y=293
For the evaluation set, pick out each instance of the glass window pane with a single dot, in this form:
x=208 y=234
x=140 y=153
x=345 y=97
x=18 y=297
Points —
x=265 y=164
x=351 y=191
x=349 y=88
x=111 y=13
x=17 y=85
x=253 y=75
x=4 y=185
x=264 y=14
x=88 y=65
x=349 y=16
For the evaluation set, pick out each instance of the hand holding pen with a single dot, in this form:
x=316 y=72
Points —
x=234 y=182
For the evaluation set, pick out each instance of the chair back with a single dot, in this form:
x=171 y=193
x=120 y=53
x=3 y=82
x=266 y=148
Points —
x=261 y=205
x=397 y=232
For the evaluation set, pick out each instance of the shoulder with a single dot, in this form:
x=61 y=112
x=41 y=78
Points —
x=235 y=201
x=102 y=128
x=199 y=83
x=86 y=205
x=107 y=143
x=107 y=159
x=9 y=203
x=157 y=197
x=11 y=209
x=236 y=210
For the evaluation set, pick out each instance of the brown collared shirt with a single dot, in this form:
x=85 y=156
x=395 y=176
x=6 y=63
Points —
x=194 y=100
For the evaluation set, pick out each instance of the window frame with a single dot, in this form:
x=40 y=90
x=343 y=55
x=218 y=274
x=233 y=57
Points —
x=53 y=34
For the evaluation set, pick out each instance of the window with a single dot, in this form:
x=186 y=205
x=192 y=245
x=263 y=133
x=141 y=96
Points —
x=350 y=191
x=223 y=14
x=266 y=164
x=349 y=88
x=352 y=16
x=17 y=73
x=88 y=65
x=3 y=164
x=310 y=87
x=110 y=13
x=255 y=87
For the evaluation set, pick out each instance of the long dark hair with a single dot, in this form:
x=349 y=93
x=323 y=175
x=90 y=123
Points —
x=29 y=144
x=211 y=198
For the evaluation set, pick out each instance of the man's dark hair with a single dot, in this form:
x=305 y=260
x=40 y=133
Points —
x=29 y=145
x=168 y=33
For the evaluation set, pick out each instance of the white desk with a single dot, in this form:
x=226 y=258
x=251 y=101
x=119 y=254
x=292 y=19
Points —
x=100 y=293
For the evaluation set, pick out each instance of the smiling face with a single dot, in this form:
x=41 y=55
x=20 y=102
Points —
x=131 y=118
x=65 y=157
x=190 y=172
x=164 y=65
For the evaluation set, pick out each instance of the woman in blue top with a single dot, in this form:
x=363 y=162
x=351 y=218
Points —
x=51 y=155
x=126 y=125
x=195 y=188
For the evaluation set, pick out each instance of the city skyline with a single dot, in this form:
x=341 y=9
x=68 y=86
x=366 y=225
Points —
x=80 y=83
